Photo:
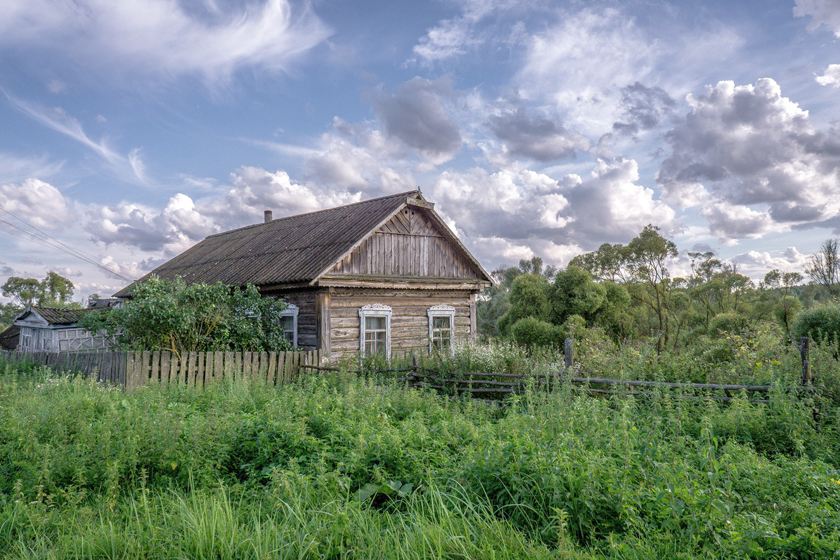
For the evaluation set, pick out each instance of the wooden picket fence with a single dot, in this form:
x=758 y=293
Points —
x=201 y=368
x=131 y=370
x=107 y=366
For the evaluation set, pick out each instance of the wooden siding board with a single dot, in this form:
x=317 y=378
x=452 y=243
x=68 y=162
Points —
x=406 y=247
x=409 y=318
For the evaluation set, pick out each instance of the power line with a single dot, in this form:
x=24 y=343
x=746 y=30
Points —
x=69 y=252
x=59 y=245
x=45 y=234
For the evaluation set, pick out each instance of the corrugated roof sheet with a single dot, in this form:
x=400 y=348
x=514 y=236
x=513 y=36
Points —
x=286 y=250
x=60 y=316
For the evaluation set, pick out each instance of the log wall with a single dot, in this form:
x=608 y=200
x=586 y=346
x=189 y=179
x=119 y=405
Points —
x=409 y=318
x=307 y=319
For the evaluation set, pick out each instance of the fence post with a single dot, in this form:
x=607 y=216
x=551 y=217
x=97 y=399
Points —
x=804 y=351
x=569 y=353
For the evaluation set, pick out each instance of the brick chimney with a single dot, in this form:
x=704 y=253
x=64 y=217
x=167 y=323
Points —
x=268 y=216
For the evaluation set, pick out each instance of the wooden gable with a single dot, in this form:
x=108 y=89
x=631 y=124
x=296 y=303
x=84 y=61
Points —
x=409 y=244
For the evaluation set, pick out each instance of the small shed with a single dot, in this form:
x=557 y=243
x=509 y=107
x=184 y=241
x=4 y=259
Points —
x=385 y=275
x=44 y=329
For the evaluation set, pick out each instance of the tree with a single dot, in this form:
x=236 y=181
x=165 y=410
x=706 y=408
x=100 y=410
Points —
x=575 y=293
x=646 y=257
x=716 y=286
x=179 y=317
x=56 y=289
x=528 y=298
x=8 y=312
x=493 y=303
x=786 y=310
x=24 y=291
x=608 y=263
x=824 y=266
x=53 y=291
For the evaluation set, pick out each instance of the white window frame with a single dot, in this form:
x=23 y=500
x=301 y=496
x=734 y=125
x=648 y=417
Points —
x=442 y=311
x=375 y=310
x=292 y=311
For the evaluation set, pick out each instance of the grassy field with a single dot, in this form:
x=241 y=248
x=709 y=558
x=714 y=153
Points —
x=341 y=467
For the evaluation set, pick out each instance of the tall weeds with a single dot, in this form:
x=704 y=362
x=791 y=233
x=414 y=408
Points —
x=248 y=471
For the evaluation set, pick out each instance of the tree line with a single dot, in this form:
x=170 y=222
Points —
x=628 y=293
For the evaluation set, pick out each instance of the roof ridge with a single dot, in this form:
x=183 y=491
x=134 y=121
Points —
x=405 y=194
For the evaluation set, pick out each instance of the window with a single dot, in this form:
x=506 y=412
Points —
x=289 y=316
x=26 y=338
x=441 y=328
x=375 y=330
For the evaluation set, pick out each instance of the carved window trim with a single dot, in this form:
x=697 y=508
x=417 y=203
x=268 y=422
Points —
x=375 y=310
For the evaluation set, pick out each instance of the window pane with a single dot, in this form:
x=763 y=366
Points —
x=374 y=342
x=374 y=323
x=289 y=328
x=440 y=322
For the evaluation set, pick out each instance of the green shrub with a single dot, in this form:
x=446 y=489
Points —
x=821 y=324
x=532 y=332
x=727 y=323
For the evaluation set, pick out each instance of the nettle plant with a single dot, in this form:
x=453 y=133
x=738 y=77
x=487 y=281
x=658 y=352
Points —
x=179 y=317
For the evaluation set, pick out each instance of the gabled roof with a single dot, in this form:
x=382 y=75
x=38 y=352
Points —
x=292 y=250
x=53 y=316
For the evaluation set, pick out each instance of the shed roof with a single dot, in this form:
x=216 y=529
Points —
x=9 y=338
x=291 y=250
x=55 y=316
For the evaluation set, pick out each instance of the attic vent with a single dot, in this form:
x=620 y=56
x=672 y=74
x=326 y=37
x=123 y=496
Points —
x=268 y=216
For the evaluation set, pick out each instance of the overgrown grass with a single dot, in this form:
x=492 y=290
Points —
x=249 y=471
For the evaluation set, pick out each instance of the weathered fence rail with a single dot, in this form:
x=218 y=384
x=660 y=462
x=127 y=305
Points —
x=482 y=384
x=108 y=367
x=486 y=384
x=190 y=369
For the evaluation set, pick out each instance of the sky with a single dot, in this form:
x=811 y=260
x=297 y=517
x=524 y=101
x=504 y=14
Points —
x=131 y=130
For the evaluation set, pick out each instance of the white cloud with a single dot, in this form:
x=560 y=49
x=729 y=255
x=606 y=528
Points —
x=14 y=169
x=456 y=36
x=732 y=221
x=37 y=202
x=822 y=12
x=535 y=136
x=755 y=264
x=554 y=219
x=67 y=272
x=611 y=206
x=598 y=63
x=161 y=37
x=57 y=86
x=751 y=158
x=128 y=167
x=449 y=38
x=171 y=230
x=120 y=270
x=255 y=190
x=831 y=76
x=583 y=61
x=418 y=115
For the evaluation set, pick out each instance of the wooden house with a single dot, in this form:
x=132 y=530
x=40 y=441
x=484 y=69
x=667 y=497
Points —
x=383 y=275
x=45 y=329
